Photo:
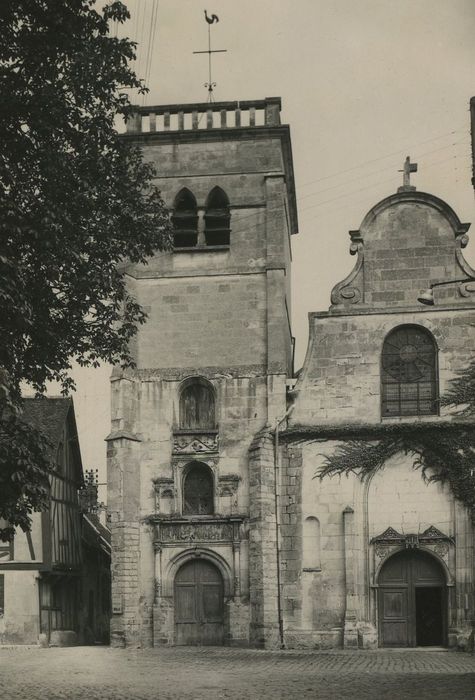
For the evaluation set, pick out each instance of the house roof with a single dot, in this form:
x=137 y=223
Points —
x=96 y=534
x=47 y=415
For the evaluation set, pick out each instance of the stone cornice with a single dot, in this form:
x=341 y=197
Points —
x=368 y=431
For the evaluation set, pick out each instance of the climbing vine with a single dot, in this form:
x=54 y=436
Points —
x=444 y=453
x=461 y=393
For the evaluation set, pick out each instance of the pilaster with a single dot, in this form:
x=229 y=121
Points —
x=264 y=622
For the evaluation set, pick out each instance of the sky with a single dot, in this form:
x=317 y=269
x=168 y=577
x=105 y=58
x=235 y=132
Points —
x=364 y=83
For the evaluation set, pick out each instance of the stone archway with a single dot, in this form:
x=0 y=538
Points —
x=199 y=604
x=412 y=601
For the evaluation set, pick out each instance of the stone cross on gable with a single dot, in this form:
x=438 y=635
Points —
x=406 y=178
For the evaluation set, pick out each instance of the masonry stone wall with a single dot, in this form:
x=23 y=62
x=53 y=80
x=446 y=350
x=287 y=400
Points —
x=405 y=243
x=406 y=247
x=20 y=623
x=316 y=601
x=341 y=379
x=221 y=315
x=263 y=562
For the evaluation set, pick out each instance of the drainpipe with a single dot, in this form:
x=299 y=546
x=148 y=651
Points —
x=278 y=422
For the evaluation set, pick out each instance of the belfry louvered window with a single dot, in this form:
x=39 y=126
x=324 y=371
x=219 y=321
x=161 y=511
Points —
x=198 y=490
x=217 y=218
x=409 y=382
x=185 y=220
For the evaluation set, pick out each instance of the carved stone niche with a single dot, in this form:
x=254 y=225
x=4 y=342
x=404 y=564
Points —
x=228 y=484
x=432 y=538
x=227 y=492
x=164 y=494
x=195 y=442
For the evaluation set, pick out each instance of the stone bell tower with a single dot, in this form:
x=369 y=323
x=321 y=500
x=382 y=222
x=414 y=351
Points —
x=211 y=368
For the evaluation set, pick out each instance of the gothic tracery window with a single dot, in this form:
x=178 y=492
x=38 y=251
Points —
x=217 y=218
x=409 y=385
x=185 y=220
x=198 y=490
x=197 y=408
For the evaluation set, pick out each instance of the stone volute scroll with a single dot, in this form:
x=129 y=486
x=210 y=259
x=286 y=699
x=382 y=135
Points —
x=350 y=290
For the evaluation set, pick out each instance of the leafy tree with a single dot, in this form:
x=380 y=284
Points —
x=76 y=199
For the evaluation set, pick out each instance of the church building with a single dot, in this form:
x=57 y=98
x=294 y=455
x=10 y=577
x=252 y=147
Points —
x=222 y=532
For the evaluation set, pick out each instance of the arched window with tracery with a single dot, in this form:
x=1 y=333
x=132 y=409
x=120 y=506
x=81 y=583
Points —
x=197 y=406
x=185 y=220
x=217 y=218
x=198 y=490
x=409 y=375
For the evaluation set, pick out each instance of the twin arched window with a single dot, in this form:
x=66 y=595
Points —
x=186 y=225
x=409 y=381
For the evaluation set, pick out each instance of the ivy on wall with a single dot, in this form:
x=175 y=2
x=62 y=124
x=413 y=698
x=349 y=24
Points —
x=444 y=453
x=461 y=393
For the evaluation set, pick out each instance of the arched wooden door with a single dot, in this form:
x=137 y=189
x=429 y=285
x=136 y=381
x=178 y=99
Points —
x=412 y=601
x=198 y=604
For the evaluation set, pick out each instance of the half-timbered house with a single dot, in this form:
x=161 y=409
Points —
x=40 y=570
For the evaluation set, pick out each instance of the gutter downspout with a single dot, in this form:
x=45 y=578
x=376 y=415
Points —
x=280 y=618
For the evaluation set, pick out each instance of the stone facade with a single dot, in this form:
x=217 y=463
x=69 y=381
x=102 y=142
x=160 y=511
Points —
x=258 y=551
x=219 y=317
x=406 y=242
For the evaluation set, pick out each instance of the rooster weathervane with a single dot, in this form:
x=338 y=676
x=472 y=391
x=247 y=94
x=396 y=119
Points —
x=210 y=85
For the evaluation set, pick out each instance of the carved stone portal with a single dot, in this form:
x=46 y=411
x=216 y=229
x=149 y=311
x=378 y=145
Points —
x=432 y=538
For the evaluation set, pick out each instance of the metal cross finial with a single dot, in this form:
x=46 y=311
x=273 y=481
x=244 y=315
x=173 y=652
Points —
x=210 y=85
x=406 y=178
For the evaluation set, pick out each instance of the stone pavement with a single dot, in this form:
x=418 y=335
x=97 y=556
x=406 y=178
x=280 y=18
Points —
x=186 y=673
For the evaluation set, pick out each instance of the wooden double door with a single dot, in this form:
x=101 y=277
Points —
x=199 y=604
x=412 y=601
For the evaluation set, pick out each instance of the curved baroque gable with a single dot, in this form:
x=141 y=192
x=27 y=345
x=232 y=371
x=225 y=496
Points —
x=406 y=242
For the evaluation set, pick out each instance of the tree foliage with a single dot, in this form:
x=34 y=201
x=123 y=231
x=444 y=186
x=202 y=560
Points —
x=24 y=474
x=76 y=200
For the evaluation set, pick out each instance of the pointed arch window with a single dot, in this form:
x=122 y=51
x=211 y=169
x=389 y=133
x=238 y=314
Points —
x=409 y=374
x=198 y=490
x=197 y=406
x=217 y=218
x=185 y=220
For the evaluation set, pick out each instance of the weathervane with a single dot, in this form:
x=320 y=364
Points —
x=406 y=178
x=210 y=85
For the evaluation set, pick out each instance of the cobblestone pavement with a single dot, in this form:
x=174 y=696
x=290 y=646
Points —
x=101 y=673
